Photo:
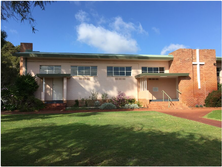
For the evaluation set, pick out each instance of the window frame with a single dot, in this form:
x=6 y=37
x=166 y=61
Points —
x=152 y=70
x=84 y=70
x=53 y=69
x=120 y=70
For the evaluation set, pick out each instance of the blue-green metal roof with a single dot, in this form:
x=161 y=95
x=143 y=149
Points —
x=92 y=55
x=159 y=75
x=53 y=75
x=218 y=58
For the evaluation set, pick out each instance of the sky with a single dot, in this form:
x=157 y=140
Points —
x=127 y=27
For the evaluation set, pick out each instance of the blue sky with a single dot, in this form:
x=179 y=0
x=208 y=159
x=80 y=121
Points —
x=143 y=27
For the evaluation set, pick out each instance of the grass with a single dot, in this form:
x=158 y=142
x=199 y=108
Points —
x=216 y=115
x=145 y=138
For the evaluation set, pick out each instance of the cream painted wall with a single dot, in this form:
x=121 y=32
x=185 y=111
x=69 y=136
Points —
x=78 y=89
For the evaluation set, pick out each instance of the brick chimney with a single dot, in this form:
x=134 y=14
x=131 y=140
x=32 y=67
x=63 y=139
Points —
x=26 y=47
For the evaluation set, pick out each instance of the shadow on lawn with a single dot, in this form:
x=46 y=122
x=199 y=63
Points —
x=19 y=117
x=81 y=144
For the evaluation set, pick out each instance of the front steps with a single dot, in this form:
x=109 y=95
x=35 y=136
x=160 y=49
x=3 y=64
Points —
x=160 y=105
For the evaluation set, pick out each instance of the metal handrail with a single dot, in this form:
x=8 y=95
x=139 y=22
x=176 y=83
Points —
x=169 y=98
x=178 y=91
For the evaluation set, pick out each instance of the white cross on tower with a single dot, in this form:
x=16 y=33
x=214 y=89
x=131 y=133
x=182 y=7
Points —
x=198 y=63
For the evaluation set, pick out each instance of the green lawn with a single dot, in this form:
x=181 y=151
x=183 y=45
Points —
x=216 y=114
x=108 y=138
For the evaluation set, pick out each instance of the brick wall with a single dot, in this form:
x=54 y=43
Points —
x=182 y=63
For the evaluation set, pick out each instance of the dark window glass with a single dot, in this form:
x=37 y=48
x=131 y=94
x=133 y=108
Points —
x=150 y=70
x=155 y=69
x=81 y=70
x=144 y=70
x=161 y=69
x=93 y=71
x=73 y=70
x=87 y=71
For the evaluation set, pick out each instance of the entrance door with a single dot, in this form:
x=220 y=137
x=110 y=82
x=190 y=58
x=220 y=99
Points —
x=57 y=88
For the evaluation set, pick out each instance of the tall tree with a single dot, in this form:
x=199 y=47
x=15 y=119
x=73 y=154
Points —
x=21 y=10
x=9 y=63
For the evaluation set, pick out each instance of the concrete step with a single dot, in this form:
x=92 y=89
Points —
x=164 y=105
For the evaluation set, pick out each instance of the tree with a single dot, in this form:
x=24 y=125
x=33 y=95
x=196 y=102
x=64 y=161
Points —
x=9 y=63
x=3 y=38
x=21 y=10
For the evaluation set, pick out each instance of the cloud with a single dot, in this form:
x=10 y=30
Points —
x=77 y=3
x=171 y=47
x=13 y=31
x=104 y=39
x=141 y=30
x=156 y=30
x=120 y=25
x=82 y=16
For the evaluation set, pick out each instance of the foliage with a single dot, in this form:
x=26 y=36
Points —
x=131 y=101
x=21 y=94
x=31 y=104
x=3 y=38
x=219 y=86
x=76 y=103
x=21 y=10
x=107 y=106
x=139 y=104
x=213 y=99
x=104 y=96
x=9 y=64
x=201 y=106
x=131 y=106
x=97 y=104
x=120 y=100
x=197 y=105
x=94 y=95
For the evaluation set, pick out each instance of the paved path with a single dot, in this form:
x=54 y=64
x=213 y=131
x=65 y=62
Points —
x=194 y=114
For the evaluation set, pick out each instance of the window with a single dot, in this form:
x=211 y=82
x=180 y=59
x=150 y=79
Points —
x=118 y=71
x=84 y=70
x=218 y=71
x=152 y=69
x=50 y=69
x=143 y=84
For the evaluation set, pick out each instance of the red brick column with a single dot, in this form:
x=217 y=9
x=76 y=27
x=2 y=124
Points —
x=182 y=63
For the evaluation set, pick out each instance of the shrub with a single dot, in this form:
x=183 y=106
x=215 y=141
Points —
x=76 y=103
x=139 y=104
x=31 y=104
x=213 y=99
x=120 y=100
x=196 y=105
x=107 y=106
x=131 y=101
x=201 y=106
x=219 y=86
x=104 y=96
x=94 y=95
x=97 y=104
x=20 y=95
x=131 y=106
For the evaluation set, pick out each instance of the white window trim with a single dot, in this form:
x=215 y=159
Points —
x=119 y=75
x=153 y=70
x=53 y=70
x=84 y=66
